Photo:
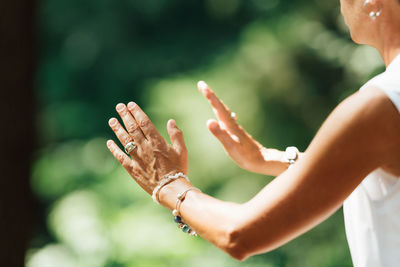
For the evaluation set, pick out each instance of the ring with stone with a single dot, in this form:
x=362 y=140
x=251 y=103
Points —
x=130 y=147
x=234 y=116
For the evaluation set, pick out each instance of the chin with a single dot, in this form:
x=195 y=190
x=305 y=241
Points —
x=356 y=39
x=360 y=35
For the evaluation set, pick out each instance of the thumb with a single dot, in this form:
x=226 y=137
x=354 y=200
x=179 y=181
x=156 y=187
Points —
x=176 y=136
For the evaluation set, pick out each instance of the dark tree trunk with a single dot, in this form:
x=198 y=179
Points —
x=17 y=128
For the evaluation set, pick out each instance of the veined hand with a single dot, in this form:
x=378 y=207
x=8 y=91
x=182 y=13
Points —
x=152 y=157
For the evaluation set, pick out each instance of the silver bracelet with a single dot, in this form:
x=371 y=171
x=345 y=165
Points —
x=291 y=155
x=177 y=216
x=166 y=180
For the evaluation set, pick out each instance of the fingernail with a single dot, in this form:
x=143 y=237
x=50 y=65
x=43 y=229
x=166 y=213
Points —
x=112 y=121
x=109 y=143
x=202 y=85
x=211 y=123
x=131 y=105
x=214 y=127
x=120 y=107
x=172 y=123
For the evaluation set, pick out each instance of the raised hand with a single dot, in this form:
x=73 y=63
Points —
x=240 y=146
x=152 y=157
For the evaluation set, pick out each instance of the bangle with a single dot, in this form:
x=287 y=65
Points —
x=166 y=180
x=177 y=217
x=291 y=155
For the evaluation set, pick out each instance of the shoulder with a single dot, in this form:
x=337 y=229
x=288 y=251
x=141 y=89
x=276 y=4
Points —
x=371 y=104
x=367 y=121
x=388 y=82
x=377 y=107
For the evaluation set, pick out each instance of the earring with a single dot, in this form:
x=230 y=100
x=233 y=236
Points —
x=372 y=14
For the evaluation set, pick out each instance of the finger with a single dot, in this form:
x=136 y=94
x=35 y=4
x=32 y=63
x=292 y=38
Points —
x=129 y=165
x=176 y=137
x=119 y=155
x=220 y=109
x=119 y=131
x=130 y=123
x=223 y=136
x=147 y=127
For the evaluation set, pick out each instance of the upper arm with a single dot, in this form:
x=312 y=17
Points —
x=358 y=137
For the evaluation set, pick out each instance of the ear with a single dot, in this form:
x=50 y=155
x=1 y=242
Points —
x=372 y=2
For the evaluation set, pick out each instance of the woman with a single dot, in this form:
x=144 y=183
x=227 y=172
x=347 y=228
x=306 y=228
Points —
x=356 y=149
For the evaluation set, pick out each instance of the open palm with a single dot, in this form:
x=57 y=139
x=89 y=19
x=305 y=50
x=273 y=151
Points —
x=240 y=145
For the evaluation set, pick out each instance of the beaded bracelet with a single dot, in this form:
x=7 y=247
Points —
x=165 y=181
x=177 y=217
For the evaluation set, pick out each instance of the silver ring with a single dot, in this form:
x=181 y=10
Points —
x=130 y=147
x=234 y=116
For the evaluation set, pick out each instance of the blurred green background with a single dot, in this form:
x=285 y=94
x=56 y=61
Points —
x=282 y=66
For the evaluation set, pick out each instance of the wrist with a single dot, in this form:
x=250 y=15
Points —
x=169 y=192
x=272 y=155
x=291 y=155
x=275 y=161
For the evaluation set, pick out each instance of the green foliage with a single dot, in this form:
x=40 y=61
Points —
x=280 y=65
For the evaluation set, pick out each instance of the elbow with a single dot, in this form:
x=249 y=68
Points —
x=235 y=245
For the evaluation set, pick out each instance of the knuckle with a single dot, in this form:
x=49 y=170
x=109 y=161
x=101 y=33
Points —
x=132 y=127
x=123 y=111
x=120 y=157
x=112 y=149
x=125 y=162
x=123 y=136
x=224 y=139
x=131 y=170
x=178 y=133
x=134 y=109
x=126 y=139
x=183 y=151
x=116 y=127
x=145 y=122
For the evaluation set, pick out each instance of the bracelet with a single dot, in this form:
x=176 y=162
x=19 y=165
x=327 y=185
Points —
x=291 y=155
x=166 y=180
x=177 y=217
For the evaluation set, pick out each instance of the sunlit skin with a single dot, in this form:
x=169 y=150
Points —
x=382 y=33
x=361 y=134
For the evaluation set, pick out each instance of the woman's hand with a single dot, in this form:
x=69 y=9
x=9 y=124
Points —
x=153 y=158
x=240 y=146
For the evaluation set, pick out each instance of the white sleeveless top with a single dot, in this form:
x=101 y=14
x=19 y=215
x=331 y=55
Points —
x=372 y=211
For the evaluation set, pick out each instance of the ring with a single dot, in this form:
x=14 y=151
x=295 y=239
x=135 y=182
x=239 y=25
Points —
x=234 y=116
x=130 y=147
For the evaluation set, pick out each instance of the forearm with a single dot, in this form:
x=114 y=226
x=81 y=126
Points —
x=238 y=229
x=287 y=207
x=213 y=219
x=284 y=209
x=278 y=214
x=225 y=224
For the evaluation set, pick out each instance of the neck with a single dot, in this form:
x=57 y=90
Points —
x=389 y=54
x=389 y=35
